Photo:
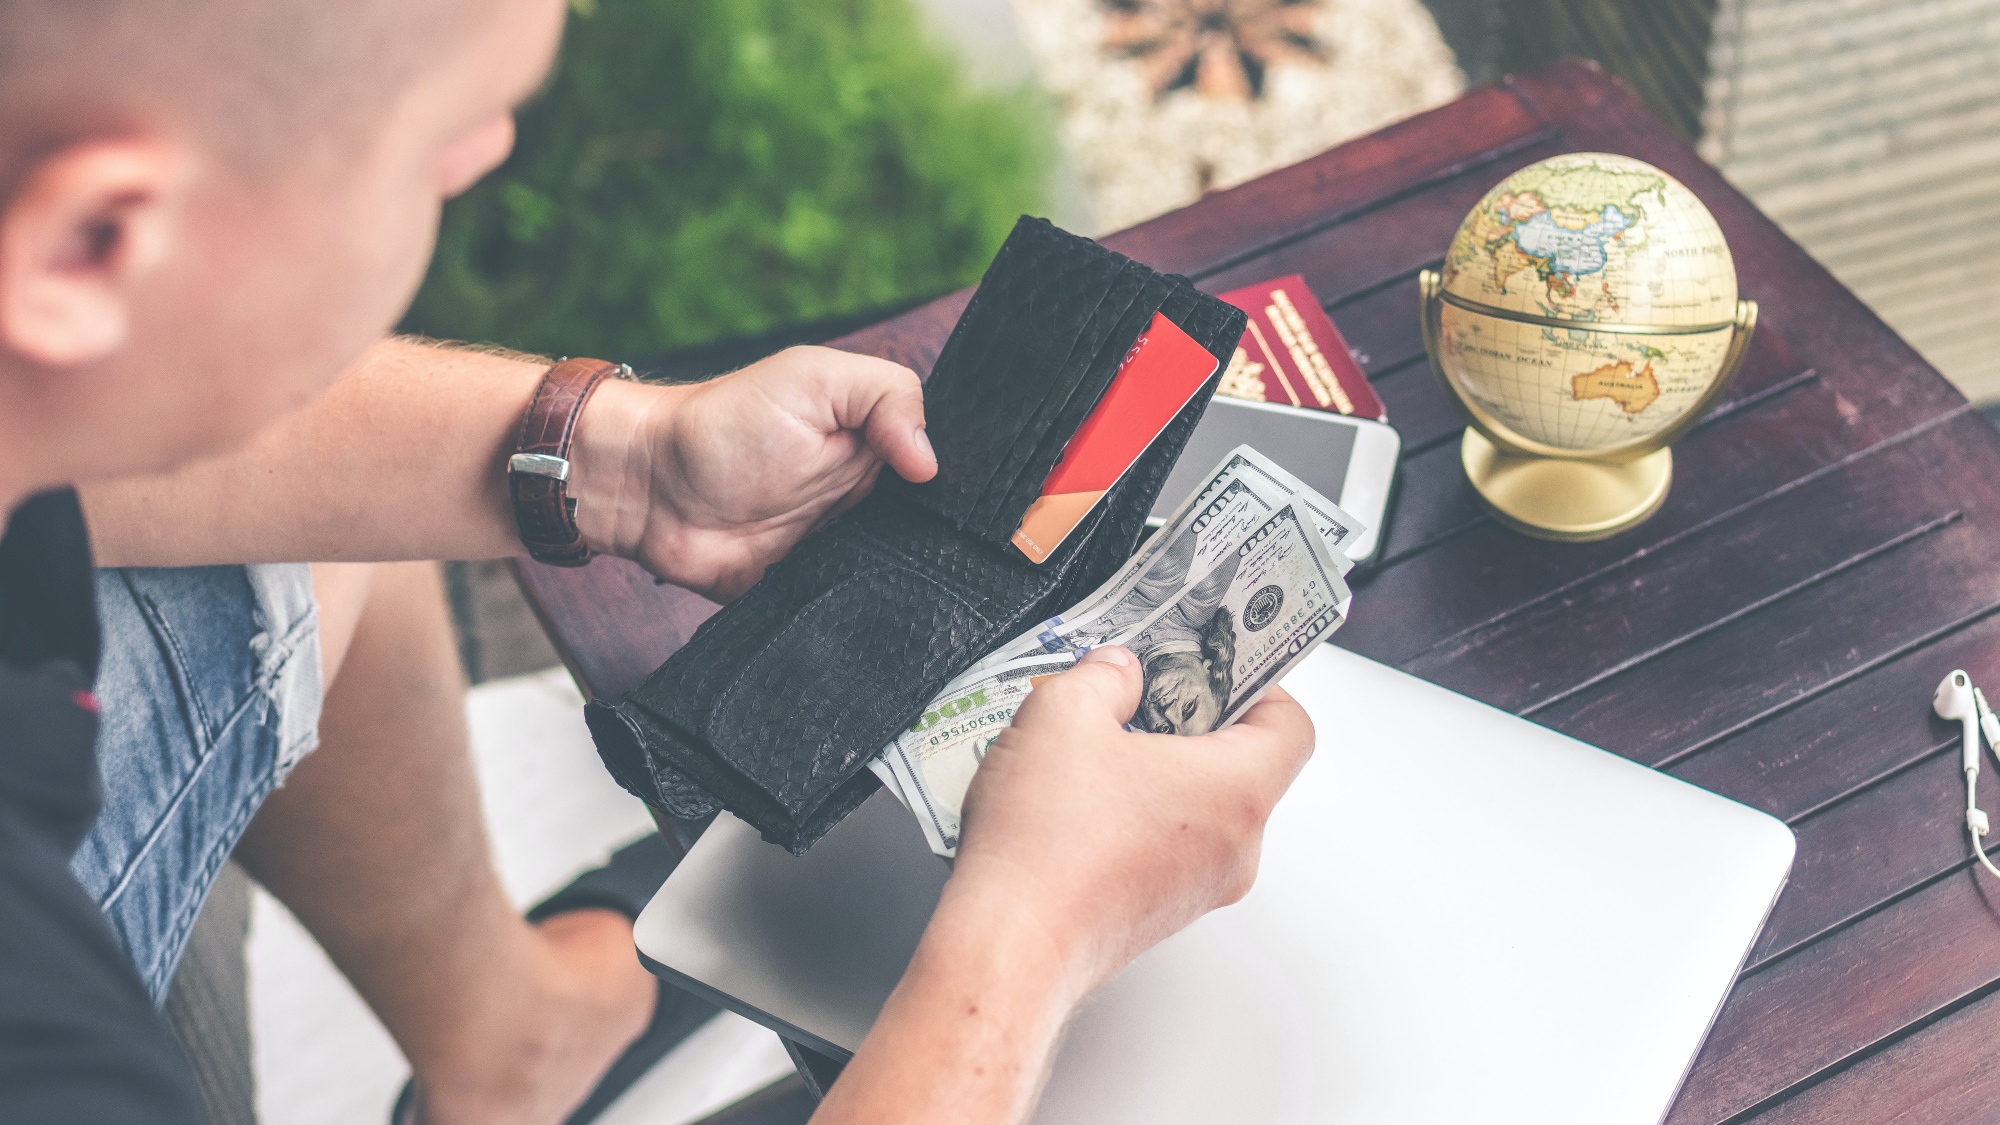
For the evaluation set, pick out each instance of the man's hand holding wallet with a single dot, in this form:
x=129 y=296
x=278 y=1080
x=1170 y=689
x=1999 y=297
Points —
x=709 y=483
x=1056 y=408
x=1086 y=840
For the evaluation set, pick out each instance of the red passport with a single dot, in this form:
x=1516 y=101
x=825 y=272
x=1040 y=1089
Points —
x=1293 y=354
x=1158 y=376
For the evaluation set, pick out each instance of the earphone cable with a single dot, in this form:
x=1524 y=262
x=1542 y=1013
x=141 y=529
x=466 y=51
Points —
x=1975 y=821
x=1989 y=724
x=1979 y=850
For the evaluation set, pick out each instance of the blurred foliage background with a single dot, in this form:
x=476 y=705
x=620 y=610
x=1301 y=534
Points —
x=699 y=169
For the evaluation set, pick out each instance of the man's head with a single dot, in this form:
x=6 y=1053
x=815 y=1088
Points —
x=210 y=207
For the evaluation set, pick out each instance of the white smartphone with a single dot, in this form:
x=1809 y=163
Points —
x=1350 y=461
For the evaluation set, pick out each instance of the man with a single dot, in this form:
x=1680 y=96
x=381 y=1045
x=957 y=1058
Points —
x=208 y=210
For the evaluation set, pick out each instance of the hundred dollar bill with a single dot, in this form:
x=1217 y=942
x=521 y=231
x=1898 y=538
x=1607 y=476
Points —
x=1218 y=645
x=880 y=767
x=1209 y=649
x=930 y=766
x=1195 y=545
x=1270 y=481
x=1240 y=494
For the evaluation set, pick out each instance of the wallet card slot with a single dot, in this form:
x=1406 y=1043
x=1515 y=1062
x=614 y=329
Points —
x=1041 y=444
x=1037 y=329
x=1025 y=469
x=1030 y=412
x=1002 y=353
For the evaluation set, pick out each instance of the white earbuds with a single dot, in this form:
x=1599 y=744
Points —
x=1958 y=701
x=1954 y=701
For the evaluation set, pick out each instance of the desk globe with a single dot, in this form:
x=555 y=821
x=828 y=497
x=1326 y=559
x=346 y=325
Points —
x=1586 y=318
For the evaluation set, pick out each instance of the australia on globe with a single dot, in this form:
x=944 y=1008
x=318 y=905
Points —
x=1557 y=288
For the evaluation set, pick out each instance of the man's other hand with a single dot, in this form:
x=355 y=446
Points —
x=706 y=485
x=1106 y=840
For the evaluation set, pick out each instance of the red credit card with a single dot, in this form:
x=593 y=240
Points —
x=1157 y=377
x=1293 y=354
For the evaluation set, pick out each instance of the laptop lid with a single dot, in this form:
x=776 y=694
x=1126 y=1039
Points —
x=1459 y=913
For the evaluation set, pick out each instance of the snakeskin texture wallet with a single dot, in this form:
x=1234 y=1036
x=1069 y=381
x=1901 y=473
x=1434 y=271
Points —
x=775 y=706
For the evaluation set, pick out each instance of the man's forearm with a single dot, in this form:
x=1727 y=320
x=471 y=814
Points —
x=972 y=1026
x=402 y=459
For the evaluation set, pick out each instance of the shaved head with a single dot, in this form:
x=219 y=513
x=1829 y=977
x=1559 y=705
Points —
x=209 y=208
x=252 y=79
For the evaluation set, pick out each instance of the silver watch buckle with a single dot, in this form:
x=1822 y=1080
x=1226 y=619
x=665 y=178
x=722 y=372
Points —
x=540 y=465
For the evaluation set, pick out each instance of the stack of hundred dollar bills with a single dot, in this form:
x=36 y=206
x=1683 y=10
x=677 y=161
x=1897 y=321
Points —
x=1239 y=586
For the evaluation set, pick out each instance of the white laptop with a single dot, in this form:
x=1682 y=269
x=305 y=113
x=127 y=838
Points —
x=1460 y=916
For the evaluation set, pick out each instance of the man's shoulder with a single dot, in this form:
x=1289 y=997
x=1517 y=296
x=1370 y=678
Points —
x=79 y=1040
x=48 y=605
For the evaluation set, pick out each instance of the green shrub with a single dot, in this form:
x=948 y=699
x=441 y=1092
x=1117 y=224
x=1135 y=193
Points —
x=707 y=168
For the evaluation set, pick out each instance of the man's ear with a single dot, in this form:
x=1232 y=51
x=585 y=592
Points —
x=85 y=225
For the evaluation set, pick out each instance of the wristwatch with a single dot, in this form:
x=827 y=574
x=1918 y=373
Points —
x=538 y=472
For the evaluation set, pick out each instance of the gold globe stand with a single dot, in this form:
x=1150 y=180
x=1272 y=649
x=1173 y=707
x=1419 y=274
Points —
x=1570 y=495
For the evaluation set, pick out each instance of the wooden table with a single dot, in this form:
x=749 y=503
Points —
x=1830 y=550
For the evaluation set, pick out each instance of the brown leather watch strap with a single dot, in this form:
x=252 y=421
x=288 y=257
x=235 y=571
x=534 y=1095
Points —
x=538 y=471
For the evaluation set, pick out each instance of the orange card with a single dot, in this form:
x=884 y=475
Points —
x=1158 y=376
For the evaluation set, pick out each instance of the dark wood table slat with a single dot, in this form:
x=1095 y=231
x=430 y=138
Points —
x=1461 y=571
x=1943 y=1073
x=1715 y=680
x=1380 y=324
x=1423 y=417
x=1827 y=1004
x=1829 y=550
x=1563 y=645
x=1831 y=745
x=1847 y=865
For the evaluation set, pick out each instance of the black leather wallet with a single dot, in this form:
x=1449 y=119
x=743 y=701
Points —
x=775 y=706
